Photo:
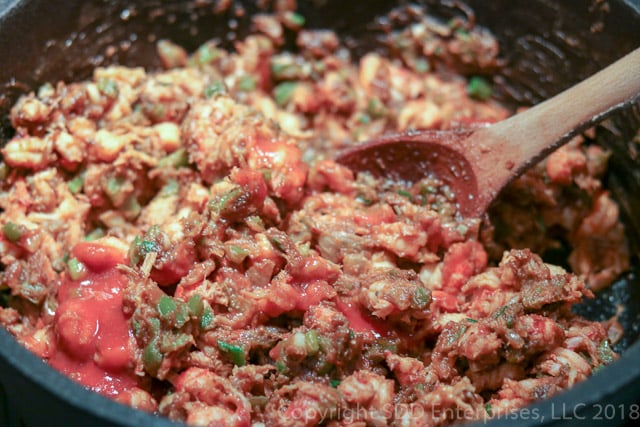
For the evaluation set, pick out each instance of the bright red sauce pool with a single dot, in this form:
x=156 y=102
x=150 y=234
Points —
x=93 y=338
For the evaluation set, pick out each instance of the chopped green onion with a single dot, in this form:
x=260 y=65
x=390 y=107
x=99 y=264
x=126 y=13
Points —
x=428 y=189
x=421 y=297
x=305 y=249
x=334 y=383
x=235 y=352
x=405 y=193
x=247 y=83
x=215 y=88
x=33 y=292
x=134 y=251
x=12 y=231
x=500 y=311
x=462 y=229
x=235 y=253
x=361 y=198
x=207 y=53
x=283 y=70
x=489 y=409
x=108 y=87
x=255 y=223
x=178 y=158
x=75 y=185
x=166 y=306
x=195 y=305
x=221 y=203
x=456 y=334
x=470 y=320
x=479 y=88
x=283 y=92
x=77 y=270
x=298 y=341
x=462 y=34
x=293 y=19
x=311 y=341
x=95 y=234
x=141 y=247
x=277 y=244
x=207 y=318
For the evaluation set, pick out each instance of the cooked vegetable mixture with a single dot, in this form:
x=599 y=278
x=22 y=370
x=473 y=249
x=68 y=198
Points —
x=182 y=241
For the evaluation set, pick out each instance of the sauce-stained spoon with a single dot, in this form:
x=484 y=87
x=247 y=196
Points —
x=477 y=163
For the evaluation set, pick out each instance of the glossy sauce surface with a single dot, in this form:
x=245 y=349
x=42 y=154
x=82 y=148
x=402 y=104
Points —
x=93 y=338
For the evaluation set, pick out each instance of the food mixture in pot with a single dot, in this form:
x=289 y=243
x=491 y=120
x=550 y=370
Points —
x=182 y=241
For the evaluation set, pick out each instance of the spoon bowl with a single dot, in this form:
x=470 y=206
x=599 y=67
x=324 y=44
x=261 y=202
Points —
x=476 y=164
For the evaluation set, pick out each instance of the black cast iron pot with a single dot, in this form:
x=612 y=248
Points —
x=546 y=45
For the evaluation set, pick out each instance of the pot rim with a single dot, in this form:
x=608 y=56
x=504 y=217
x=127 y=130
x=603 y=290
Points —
x=616 y=381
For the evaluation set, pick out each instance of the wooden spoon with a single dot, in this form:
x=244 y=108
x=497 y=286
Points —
x=477 y=163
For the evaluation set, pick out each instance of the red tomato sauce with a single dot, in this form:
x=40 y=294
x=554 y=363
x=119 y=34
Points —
x=360 y=321
x=93 y=337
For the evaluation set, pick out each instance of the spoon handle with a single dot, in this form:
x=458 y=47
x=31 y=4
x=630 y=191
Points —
x=526 y=137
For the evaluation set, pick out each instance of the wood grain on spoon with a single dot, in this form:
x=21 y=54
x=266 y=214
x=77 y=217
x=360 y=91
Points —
x=477 y=163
